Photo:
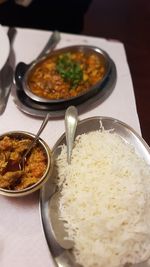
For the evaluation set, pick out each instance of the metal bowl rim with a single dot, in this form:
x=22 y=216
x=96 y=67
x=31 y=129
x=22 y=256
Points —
x=96 y=118
x=96 y=49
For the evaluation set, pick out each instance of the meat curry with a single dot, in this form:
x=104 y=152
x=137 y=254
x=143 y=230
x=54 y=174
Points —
x=11 y=151
x=66 y=75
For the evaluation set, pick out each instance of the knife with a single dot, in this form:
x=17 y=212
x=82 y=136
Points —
x=6 y=75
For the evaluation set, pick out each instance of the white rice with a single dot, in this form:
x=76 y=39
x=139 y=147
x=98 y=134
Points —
x=105 y=201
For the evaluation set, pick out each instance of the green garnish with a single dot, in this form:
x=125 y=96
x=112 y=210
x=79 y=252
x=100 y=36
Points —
x=69 y=70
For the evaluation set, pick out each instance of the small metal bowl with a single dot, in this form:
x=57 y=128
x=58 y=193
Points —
x=22 y=192
x=81 y=97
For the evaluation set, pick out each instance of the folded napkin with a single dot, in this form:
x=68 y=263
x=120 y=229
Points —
x=22 y=241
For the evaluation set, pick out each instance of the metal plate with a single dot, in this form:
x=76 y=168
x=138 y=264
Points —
x=30 y=107
x=63 y=256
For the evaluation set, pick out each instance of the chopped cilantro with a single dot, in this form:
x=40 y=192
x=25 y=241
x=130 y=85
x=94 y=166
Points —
x=69 y=70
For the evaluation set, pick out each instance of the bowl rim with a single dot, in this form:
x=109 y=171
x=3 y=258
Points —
x=95 y=49
x=45 y=176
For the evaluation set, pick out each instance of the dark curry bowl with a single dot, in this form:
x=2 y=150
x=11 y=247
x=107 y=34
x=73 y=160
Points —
x=80 y=97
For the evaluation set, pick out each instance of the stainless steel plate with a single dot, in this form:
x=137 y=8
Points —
x=30 y=107
x=53 y=231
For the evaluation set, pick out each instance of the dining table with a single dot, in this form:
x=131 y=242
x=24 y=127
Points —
x=22 y=239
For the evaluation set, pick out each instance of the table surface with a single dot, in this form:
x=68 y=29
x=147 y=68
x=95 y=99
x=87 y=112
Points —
x=25 y=234
x=129 y=22
x=113 y=19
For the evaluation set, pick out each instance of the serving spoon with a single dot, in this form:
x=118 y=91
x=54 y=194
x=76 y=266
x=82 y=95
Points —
x=23 y=159
x=12 y=165
x=71 y=120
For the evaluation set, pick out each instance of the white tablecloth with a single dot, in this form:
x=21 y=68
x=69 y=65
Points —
x=22 y=242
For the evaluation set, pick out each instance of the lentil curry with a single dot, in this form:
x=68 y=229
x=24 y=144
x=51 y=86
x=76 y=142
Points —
x=66 y=75
x=11 y=150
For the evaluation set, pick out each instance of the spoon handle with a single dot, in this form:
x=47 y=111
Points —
x=52 y=42
x=45 y=121
x=71 y=120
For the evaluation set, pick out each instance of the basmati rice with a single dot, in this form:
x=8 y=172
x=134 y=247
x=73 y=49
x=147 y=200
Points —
x=105 y=201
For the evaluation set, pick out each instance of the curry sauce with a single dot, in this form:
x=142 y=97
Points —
x=11 y=151
x=66 y=75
